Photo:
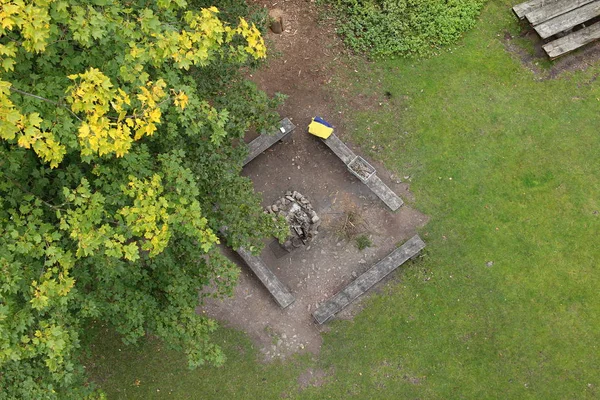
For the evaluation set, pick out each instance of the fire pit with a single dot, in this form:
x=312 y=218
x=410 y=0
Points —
x=300 y=216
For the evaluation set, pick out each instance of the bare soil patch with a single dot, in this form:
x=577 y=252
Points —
x=307 y=51
x=313 y=377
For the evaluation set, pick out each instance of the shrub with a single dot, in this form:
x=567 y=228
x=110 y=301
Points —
x=404 y=27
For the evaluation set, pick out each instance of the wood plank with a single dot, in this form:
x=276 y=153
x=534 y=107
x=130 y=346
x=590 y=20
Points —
x=376 y=185
x=339 y=148
x=522 y=9
x=568 y=20
x=264 y=141
x=572 y=41
x=386 y=194
x=278 y=290
x=365 y=281
x=550 y=11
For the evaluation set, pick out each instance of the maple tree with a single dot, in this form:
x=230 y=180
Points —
x=119 y=162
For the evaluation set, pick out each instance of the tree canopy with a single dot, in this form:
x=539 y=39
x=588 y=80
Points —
x=120 y=125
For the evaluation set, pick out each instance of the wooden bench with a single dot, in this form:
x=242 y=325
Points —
x=573 y=41
x=264 y=141
x=567 y=21
x=522 y=9
x=386 y=194
x=374 y=183
x=368 y=279
x=340 y=149
x=553 y=10
x=551 y=18
x=278 y=290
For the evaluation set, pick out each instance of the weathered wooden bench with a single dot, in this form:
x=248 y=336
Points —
x=568 y=20
x=368 y=279
x=264 y=141
x=523 y=9
x=374 y=183
x=278 y=290
x=550 y=18
x=554 y=9
x=573 y=41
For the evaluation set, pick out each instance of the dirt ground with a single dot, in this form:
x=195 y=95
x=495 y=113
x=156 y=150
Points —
x=301 y=69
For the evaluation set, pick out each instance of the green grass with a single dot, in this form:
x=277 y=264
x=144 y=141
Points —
x=507 y=167
x=363 y=241
x=152 y=371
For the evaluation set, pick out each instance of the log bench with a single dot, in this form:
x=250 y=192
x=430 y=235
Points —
x=374 y=183
x=368 y=279
x=264 y=141
x=278 y=290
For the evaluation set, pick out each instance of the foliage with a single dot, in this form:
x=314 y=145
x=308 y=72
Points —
x=404 y=27
x=119 y=162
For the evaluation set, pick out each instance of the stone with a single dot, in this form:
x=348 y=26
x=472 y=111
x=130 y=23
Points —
x=277 y=25
x=276 y=17
x=302 y=219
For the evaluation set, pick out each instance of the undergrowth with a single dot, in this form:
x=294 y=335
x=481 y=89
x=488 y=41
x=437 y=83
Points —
x=384 y=28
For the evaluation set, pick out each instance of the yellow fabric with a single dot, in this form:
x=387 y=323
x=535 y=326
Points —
x=319 y=130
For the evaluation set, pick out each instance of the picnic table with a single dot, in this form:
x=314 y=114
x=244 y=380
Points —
x=565 y=25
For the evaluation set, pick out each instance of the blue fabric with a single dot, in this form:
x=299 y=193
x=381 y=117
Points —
x=322 y=121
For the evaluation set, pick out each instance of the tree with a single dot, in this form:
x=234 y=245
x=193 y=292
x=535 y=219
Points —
x=120 y=125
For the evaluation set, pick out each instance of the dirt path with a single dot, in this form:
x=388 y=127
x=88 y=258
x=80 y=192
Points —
x=306 y=55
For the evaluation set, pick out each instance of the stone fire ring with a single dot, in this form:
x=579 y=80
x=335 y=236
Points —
x=300 y=216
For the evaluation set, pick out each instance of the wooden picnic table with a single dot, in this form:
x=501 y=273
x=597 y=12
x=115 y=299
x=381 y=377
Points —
x=566 y=24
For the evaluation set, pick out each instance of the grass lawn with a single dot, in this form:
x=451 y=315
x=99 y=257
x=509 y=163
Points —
x=505 y=303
